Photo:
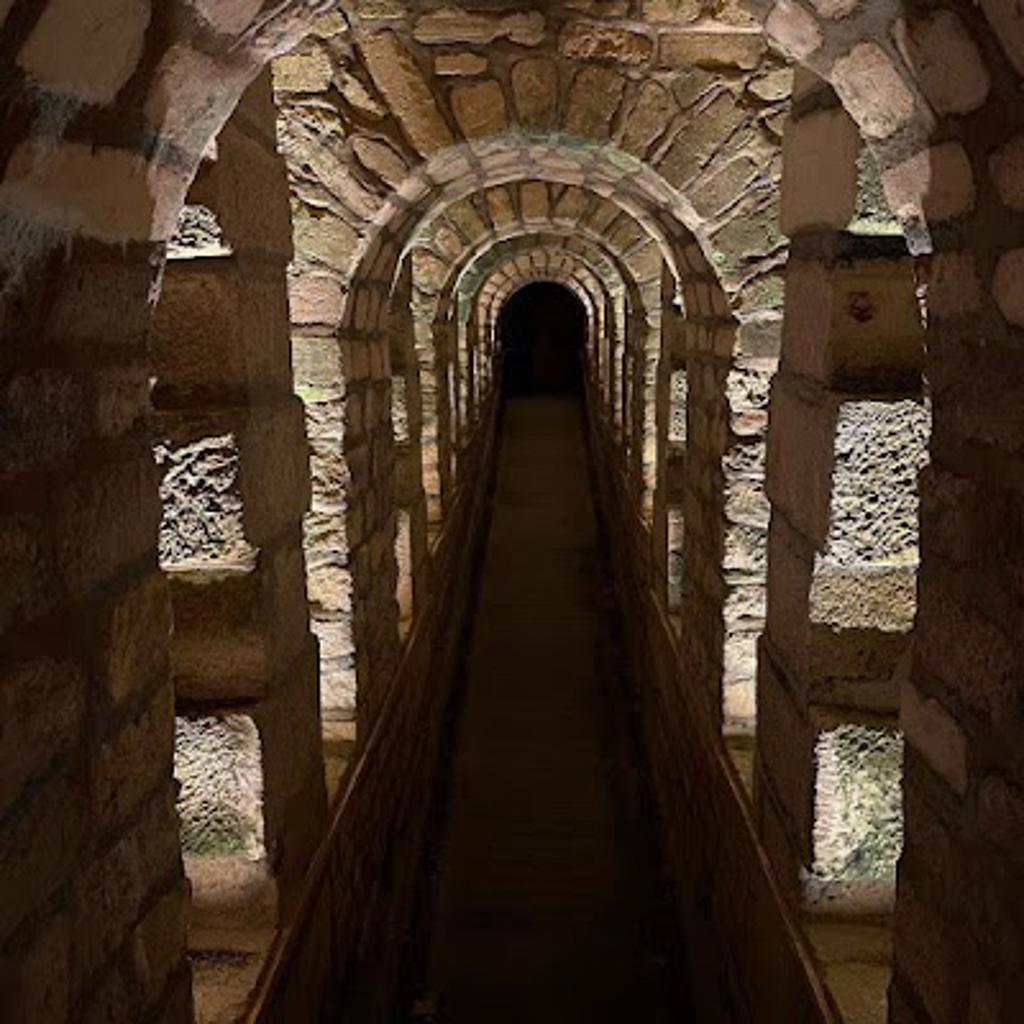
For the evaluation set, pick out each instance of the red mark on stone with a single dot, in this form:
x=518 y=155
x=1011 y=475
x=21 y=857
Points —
x=861 y=308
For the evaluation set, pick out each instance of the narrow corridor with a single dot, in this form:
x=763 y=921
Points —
x=549 y=905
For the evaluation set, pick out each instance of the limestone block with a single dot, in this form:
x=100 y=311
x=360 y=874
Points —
x=218 y=331
x=109 y=194
x=337 y=668
x=275 y=470
x=800 y=456
x=933 y=185
x=933 y=732
x=321 y=238
x=130 y=636
x=1007 y=22
x=720 y=188
x=30 y=580
x=711 y=50
x=132 y=761
x=794 y=29
x=533 y=198
x=1008 y=286
x=969 y=652
x=819 y=171
x=671 y=10
x=306 y=69
x=105 y=520
x=108 y=895
x=42 y=702
x=90 y=73
x=453 y=24
x=648 y=119
x=1006 y=166
x=408 y=93
x=231 y=17
x=696 y=144
x=786 y=754
x=873 y=91
x=834 y=9
x=318 y=371
x=315 y=299
x=856 y=326
x=37 y=975
x=946 y=61
x=594 y=99
x=479 y=108
x=596 y=41
x=466 y=63
x=220 y=645
x=381 y=159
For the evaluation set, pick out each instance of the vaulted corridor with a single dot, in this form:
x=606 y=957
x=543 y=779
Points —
x=550 y=903
x=285 y=409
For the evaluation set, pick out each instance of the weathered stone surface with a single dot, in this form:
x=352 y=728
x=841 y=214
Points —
x=711 y=50
x=380 y=158
x=595 y=41
x=594 y=100
x=794 y=29
x=694 y=146
x=535 y=87
x=946 y=61
x=308 y=69
x=935 y=184
x=872 y=90
x=935 y=734
x=454 y=24
x=1007 y=168
x=402 y=83
x=479 y=108
x=467 y=63
x=819 y=155
x=90 y=73
x=650 y=116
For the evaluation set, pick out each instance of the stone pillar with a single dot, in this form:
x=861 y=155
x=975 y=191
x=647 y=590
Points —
x=412 y=551
x=443 y=343
x=94 y=896
x=638 y=340
x=722 y=588
x=849 y=428
x=230 y=443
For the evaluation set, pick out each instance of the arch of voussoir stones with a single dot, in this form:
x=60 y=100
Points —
x=439 y=331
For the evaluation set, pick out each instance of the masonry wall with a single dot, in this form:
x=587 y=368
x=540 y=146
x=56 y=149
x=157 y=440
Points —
x=341 y=960
x=747 y=959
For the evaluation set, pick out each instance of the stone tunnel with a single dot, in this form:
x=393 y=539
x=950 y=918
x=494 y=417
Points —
x=511 y=511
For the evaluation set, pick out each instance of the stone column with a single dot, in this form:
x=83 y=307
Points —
x=443 y=342
x=94 y=894
x=411 y=550
x=230 y=444
x=849 y=427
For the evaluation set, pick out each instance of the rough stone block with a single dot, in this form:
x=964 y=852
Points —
x=800 y=455
x=131 y=762
x=42 y=702
x=219 y=648
x=819 y=187
x=106 y=519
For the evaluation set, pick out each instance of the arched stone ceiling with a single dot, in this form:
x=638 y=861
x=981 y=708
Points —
x=673 y=115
